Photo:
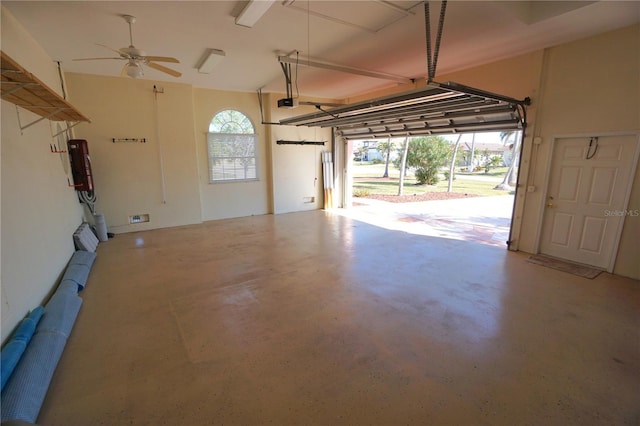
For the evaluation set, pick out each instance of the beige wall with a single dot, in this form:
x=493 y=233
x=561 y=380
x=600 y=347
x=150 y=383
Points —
x=229 y=199
x=129 y=177
x=39 y=210
x=590 y=86
x=297 y=169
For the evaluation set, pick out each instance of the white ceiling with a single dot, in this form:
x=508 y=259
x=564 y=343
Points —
x=372 y=35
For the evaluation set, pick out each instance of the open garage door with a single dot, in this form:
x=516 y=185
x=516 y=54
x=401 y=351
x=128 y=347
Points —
x=438 y=109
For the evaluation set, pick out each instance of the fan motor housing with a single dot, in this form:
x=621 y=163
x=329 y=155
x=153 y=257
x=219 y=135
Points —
x=134 y=52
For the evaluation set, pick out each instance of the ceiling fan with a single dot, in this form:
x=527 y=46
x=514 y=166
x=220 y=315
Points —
x=136 y=58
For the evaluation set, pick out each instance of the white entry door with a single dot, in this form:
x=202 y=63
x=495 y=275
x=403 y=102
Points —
x=586 y=198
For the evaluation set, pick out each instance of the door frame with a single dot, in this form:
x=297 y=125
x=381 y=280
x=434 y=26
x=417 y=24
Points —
x=547 y=175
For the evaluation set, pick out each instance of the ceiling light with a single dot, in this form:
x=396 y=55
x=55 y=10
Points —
x=211 y=60
x=253 y=11
x=134 y=70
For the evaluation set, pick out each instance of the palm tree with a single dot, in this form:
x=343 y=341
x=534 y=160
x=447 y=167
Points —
x=386 y=148
x=452 y=166
x=509 y=180
x=403 y=165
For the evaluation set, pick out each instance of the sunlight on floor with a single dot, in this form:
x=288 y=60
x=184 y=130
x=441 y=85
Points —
x=483 y=220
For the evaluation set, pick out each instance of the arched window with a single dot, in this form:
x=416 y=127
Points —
x=232 y=144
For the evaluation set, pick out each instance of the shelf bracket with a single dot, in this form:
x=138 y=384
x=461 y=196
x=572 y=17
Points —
x=16 y=88
x=22 y=128
x=67 y=129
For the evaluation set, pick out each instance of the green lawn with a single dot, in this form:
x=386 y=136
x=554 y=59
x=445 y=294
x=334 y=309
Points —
x=496 y=172
x=368 y=180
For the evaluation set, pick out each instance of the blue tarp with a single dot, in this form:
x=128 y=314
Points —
x=82 y=257
x=17 y=344
x=77 y=274
x=79 y=267
x=60 y=313
x=27 y=388
x=25 y=391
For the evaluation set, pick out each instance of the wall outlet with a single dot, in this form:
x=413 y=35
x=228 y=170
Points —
x=309 y=200
x=139 y=218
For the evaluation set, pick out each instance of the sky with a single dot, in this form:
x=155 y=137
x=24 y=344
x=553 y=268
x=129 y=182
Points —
x=484 y=137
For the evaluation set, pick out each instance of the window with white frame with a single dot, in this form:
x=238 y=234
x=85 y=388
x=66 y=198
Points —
x=232 y=145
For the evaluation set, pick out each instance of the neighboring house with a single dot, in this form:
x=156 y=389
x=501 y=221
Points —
x=372 y=154
x=484 y=151
x=368 y=151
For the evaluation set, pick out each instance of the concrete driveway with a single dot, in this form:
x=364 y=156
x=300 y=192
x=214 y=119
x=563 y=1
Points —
x=484 y=220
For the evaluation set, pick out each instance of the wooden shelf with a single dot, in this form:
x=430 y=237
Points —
x=22 y=88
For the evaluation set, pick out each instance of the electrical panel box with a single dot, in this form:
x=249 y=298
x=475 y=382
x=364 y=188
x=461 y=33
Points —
x=80 y=164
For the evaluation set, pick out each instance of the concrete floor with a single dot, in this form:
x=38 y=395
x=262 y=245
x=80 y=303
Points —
x=319 y=319
x=484 y=220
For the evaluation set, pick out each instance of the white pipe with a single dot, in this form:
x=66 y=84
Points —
x=162 y=181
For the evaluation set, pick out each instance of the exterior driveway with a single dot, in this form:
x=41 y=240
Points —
x=484 y=220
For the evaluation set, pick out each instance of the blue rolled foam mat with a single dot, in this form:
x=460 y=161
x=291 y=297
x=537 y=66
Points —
x=27 y=387
x=17 y=344
x=68 y=287
x=60 y=312
x=77 y=274
x=83 y=257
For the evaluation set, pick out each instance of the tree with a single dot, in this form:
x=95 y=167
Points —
x=510 y=177
x=403 y=165
x=385 y=148
x=452 y=166
x=492 y=162
x=357 y=153
x=427 y=155
x=473 y=150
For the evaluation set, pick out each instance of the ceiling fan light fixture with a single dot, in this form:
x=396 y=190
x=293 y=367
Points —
x=134 y=70
x=136 y=58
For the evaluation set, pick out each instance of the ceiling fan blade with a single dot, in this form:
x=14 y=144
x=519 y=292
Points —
x=114 y=50
x=162 y=59
x=94 y=59
x=164 y=69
